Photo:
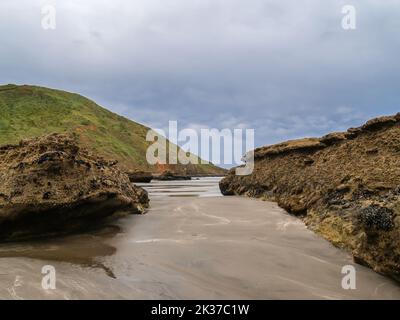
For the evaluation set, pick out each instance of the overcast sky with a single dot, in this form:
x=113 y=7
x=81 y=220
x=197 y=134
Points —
x=285 y=68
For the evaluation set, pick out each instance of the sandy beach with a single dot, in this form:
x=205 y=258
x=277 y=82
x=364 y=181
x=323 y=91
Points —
x=192 y=244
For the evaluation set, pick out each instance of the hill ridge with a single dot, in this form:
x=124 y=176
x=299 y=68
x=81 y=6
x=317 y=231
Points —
x=28 y=111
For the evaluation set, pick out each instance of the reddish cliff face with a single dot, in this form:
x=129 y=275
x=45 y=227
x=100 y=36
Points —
x=50 y=185
x=346 y=186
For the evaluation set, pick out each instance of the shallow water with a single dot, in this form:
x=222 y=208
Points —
x=198 y=187
x=193 y=243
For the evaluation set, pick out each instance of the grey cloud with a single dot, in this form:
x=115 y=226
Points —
x=285 y=68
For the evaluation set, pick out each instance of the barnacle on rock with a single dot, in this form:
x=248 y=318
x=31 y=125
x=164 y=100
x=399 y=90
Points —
x=375 y=217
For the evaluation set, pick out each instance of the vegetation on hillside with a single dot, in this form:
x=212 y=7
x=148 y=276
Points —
x=30 y=111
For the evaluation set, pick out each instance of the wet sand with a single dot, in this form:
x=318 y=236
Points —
x=192 y=244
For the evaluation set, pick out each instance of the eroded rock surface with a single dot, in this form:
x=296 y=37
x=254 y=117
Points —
x=140 y=176
x=171 y=176
x=51 y=185
x=346 y=186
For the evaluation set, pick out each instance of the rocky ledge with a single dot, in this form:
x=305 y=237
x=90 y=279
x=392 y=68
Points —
x=346 y=187
x=140 y=176
x=171 y=176
x=50 y=185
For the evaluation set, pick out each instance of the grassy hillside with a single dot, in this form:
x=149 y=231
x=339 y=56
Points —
x=30 y=111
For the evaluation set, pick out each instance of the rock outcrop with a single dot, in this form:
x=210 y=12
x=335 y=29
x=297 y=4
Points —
x=171 y=176
x=50 y=185
x=346 y=187
x=140 y=176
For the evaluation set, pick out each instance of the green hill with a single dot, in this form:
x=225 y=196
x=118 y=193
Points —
x=30 y=111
